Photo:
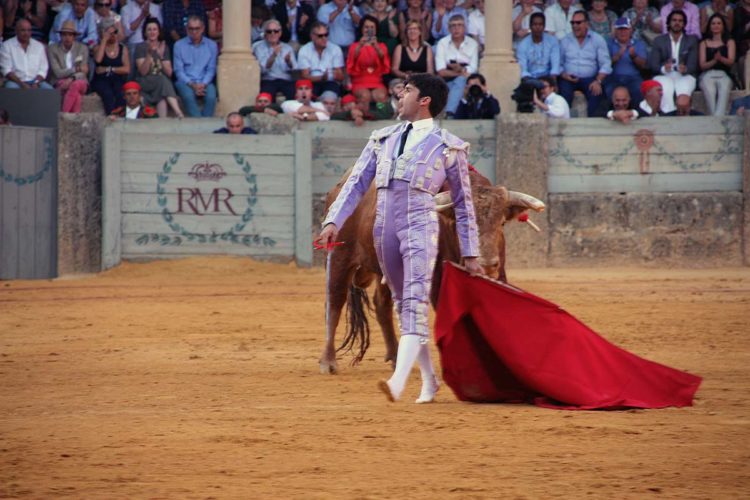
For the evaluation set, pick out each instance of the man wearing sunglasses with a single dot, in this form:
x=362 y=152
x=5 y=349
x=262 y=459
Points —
x=276 y=60
x=321 y=61
x=585 y=62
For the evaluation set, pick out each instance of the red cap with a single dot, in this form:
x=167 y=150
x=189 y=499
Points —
x=266 y=95
x=348 y=98
x=648 y=85
x=131 y=86
x=303 y=83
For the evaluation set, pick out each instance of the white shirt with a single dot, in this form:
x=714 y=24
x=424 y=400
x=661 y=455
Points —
x=476 y=25
x=291 y=106
x=557 y=22
x=675 y=53
x=467 y=52
x=130 y=13
x=309 y=58
x=420 y=130
x=131 y=113
x=25 y=64
x=558 y=106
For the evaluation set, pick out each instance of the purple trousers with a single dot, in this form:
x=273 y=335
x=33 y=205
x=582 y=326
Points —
x=406 y=238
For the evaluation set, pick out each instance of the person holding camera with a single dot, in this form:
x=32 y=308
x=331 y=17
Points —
x=367 y=62
x=548 y=101
x=477 y=104
x=112 y=67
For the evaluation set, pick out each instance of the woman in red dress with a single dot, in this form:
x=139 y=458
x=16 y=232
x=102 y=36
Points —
x=367 y=62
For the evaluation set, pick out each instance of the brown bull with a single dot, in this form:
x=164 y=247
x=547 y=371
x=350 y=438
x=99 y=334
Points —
x=353 y=266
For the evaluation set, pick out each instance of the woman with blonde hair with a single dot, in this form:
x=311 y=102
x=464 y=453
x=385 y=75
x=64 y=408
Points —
x=414 y=55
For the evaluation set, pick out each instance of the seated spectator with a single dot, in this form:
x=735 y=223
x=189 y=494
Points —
x=23 y=60
x=235 y=125
x=112 y=67
x=478 y=103
x=341 y=17
x=539 y=54
x=133 y=109
x=263 y=104
x=69 y=68
x=34 y=11
x=621 y=109
x=644 y=21
x=176 y=12
x=456 y=57
x=134 y=14
x=103 y=10
x=302 y=108
x=601 y=19
x=414 y=55
x=717 y=7
x=85 y=19
x=629 y=58
x=652 y=93
x=367 y=62
x=684 y=107
x=692 y=16
x=195 y=68
x=321 y=61
x=350 y=111
x=387 y=110
x=549 y=102
x=716 y=54
x=443 y=12
x=475 y=28
x=296 y=19
x=276 y=60
x=521 y=15
x=676 y=72
x=559 y=17
x=330 y=101
x=153 y=63
x=740 y=106
x=415 y=11
x=585 y=63
x=387 y=32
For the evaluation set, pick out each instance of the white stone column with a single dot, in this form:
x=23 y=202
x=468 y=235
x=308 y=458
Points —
x=498 y=64
x=238 y=73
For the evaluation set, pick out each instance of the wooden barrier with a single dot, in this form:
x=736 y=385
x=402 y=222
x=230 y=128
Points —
x=28 y=203
x=168 y=195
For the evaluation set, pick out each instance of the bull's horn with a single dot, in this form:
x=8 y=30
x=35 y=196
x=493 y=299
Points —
x=525 y=200
x=443 y=201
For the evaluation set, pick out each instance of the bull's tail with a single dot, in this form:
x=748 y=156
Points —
x=357 y=339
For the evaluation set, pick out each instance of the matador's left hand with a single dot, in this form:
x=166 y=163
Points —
x=472 y=265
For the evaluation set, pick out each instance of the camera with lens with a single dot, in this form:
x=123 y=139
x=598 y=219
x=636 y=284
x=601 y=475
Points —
x=524 y=94
x=475 y=92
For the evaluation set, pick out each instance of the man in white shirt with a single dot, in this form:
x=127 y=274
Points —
x=549 y=102
x=456 y=57
x=321 y=61
x=558 y=17
x=23 y=60
x=302 y=108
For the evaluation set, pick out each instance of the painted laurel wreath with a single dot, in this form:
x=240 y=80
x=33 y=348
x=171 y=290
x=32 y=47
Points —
x=35 y=177
x=230 y=235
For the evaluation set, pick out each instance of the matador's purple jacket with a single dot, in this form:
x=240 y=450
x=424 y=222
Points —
x=405 y=230
x=440 y=156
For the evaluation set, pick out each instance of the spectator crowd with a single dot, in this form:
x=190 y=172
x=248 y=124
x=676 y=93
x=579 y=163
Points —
x=347 y=59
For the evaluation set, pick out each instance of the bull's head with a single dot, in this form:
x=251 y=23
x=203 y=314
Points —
x=494 y=206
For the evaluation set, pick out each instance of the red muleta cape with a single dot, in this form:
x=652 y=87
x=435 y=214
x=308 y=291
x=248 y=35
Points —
x=500 y=344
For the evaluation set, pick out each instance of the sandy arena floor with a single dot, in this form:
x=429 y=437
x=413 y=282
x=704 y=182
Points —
x=199 y=379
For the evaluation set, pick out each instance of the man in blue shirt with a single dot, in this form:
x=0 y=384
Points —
x=79 y=12
x=585 y=63
x=276 y=60
x=629 y=57
x=538 y=53
x=341 y=17
x=195 y=67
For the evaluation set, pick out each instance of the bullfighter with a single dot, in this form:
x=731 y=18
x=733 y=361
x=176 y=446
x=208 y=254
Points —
x=410 y=162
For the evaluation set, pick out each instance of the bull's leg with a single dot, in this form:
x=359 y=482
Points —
x=384 y=313
x=337 y=279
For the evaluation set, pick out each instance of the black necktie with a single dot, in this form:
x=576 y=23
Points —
x=404 y=136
